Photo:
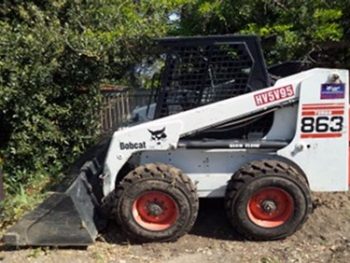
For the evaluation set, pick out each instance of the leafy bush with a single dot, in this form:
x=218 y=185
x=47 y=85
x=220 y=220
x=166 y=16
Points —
x=304 y=30
x=54 y=55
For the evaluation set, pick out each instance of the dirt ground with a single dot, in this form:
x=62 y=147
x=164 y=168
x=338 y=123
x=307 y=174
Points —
x=324 y=238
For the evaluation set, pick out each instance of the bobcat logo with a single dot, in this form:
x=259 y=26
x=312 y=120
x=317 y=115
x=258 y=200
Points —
x=158 y=135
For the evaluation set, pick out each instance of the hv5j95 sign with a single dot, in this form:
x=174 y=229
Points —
x=276 y=94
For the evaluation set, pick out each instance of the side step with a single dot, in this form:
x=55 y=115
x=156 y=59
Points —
x=70 y=218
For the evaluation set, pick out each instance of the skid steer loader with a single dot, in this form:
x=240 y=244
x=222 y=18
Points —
x=219 y=127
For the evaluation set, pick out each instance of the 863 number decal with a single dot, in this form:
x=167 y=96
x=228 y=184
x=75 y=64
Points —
x=322 y=124
x=322 y=120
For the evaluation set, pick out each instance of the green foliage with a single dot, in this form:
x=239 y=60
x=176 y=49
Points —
x=301 y=27
x=54 y=55
x=40 y=101
x=327 y=28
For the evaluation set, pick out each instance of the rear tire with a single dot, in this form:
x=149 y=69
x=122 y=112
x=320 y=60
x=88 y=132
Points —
x=156 y=202
x=267 y=200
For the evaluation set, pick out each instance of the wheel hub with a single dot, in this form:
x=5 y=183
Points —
x=154 y=209
x=269 y=206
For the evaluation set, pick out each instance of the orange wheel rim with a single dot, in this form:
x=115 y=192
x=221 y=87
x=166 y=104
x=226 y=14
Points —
x=270 y=207
x=155 y=211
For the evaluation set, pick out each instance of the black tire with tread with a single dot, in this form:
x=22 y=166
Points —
x=155 y=177
x=247 y=180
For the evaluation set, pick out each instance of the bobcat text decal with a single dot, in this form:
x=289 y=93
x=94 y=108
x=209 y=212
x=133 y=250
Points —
x=132 y=145
x=274 y=95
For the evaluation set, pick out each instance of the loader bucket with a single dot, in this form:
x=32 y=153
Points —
x=67 y=218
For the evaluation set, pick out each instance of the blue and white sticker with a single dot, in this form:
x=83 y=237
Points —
x=332 y=91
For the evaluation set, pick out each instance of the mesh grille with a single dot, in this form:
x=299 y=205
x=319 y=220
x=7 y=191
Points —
x=197 y=74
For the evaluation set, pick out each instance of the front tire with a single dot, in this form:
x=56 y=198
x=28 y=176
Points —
x=156 y=202
x=267 y=200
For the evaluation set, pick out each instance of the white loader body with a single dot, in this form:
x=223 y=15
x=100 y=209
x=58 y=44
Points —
x=310 y=116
